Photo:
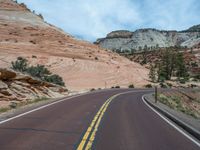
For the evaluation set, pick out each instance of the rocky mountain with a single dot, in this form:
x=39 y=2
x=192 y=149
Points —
x=126 y=40
x=195 y=28
x=81 y=64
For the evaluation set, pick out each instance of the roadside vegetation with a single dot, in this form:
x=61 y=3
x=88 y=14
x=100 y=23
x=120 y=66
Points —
x=38 y=71
x=14 y=105
x=185 y=102
x=171 y=65
x=179 y=65
x=131 y=86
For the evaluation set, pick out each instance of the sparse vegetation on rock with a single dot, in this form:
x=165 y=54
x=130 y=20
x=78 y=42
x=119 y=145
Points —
x=152 y=73
x=131 y=86
x=20 y=64
x=39 y=71
x=93 y=89
x=148 y=86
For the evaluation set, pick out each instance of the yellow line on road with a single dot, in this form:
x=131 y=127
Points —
x=92 y=129
x=89 y=130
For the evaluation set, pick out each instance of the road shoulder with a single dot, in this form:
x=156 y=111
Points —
x=186 y=122
x=23 y=109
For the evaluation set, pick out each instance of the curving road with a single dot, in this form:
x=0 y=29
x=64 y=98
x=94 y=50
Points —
x=99 y=120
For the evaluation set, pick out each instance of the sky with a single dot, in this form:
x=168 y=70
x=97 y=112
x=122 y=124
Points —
x=92 y=19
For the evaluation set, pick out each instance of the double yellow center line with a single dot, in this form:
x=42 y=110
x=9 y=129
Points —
x=89 y=136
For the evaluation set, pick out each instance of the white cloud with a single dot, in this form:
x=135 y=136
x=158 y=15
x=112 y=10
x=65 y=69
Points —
x=93 y=19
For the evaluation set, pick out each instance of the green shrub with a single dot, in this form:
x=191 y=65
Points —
x=56 y=79
x=169 y=85
x=163 y=85
x=92 y=89
x=197 y=76
x=182 y=80
x=20 y=64
x=38 y=71
x=148 y=86
x=131 y=86
x=2 y=110
x=13 y=105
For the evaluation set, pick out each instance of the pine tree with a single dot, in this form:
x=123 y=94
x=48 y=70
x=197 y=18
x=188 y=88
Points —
x=152 y=73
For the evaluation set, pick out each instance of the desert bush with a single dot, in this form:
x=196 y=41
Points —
x=117 y=86
x=163 y=85
x=131 y=86
x=20 y=64
x=92 y=89
x=13 y=105
x=169 y=85
x=182 y=80
x=148 y=86
x=56 y=79
x=38 y=71
x=197 y=76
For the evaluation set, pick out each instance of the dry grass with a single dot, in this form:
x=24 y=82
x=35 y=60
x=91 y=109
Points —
x=186 y=101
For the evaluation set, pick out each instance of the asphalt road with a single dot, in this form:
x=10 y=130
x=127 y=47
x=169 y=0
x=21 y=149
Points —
x=125 y=123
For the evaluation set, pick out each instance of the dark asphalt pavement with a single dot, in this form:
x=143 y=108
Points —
x=128 y=124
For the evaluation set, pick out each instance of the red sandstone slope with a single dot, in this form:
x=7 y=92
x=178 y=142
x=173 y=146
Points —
x=81 y=64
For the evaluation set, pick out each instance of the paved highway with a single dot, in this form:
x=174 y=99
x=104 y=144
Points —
x=104 y=120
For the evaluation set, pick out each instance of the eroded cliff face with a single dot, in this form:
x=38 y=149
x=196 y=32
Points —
x=81 y=64
x=152 y=38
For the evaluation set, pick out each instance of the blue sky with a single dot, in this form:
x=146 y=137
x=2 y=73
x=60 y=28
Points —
x=92 y=19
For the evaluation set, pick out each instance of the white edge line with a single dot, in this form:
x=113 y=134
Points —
x=20 y=115
x=172 y=124
x=64 y=99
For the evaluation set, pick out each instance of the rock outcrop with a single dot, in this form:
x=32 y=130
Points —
x=17 y=87
x=151 y=38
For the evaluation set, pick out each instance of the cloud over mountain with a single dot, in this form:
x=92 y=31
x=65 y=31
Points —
x=91 y=19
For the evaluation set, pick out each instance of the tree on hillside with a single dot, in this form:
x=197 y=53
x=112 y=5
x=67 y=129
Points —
x=172 y=63
x=180 y=66
x=152 y=73
x=144 y=55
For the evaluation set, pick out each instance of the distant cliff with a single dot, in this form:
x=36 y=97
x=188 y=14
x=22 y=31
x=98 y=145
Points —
x=126 y=40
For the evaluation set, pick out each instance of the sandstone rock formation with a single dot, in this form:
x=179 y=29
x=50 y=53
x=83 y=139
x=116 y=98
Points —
x=152 y=38
x=81 y=64
x=16 y=87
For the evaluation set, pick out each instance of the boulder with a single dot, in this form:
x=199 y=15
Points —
x=6 y=74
